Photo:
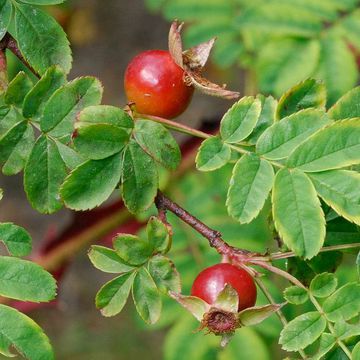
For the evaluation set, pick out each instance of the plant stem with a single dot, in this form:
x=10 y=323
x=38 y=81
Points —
x=175 y=126
x=279 y=313
x=285 y=255
x=329 y=325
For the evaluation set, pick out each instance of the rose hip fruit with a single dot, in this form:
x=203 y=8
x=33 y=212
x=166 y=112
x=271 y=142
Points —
x=155 y=83
x=211 y=281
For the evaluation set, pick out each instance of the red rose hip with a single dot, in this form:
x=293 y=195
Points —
x=155 y=83
x=209 y=283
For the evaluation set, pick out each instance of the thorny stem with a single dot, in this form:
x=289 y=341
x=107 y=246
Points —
x=279 y=313
x=8 y=42
x=236 y=255
x=330 y=326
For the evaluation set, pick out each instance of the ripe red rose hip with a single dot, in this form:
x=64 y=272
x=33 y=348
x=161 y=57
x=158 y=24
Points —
x=155 y=83
x=211 y=281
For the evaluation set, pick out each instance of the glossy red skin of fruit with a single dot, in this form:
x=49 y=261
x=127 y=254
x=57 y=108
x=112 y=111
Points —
x=155 y=83
x=209 y=283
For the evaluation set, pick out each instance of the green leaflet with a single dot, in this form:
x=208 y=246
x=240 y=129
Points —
x=158 y=235
x=27 y=337
x=65 y=104
x=296 y=295
x=91 y=183
x=17 y=89
x=348 y=106
x=266 y=118
x=250 y=185
x=45 y=171
x=280 y=139
x=9 y=116
x=25 y=280
x=165 y=275
x=71 y=158
x=283 y=63
x=344 y=303
x=340 y=190
x=297 y=213
x=16 y=239
x=240 y=120
x=52 y=46
x=146 y=297
x=15 y=147
x=158 y=142
x=112 y=297
x=335 y=54
x=212 y=154
x=327 y=342
x=302 y=331
x=335 y=146
x=323 y=285
x=107 y=260
x=99 y=141
x=36 y=99
x=5 y=16
x=132 y=250
x=140 y=179
x=309 y=93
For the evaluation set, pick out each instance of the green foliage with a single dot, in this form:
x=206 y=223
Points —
x=283 y=42
x=16 y=239
x=26 y=337
x=5 y=16
x=296 y=295
x=323 y=285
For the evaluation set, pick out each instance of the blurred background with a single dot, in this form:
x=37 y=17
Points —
x=303 y=42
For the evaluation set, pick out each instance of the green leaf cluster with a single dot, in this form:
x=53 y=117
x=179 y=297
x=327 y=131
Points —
x=282 y=42
x=335 y=318
x=302 y=154
x=143 y=270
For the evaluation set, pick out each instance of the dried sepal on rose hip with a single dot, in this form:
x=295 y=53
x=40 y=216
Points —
x=222 y=299
x=161 y=83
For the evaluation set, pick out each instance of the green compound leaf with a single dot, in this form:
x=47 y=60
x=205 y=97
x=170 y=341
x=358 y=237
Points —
x=297 y=213
x=146 y=297
x=26 y=337
x=347 y=106
x=344 y=303
x=323 y=285
x=5 y=16
x=36 y=99
x=16 y=239
x=106 y=114
x=15 y=147
x=112 y=297
x=99 y=141
x=91 y=183
x=140 y=179
x=107 y=260
x=296 y=295
x=164 y=273
x=327 y=342
x=158 y=142
x=65 y=104
x=212 y=154
x=158 y=234
x=45 y=171
x=309 y=93
x=302 y=331
x=240 y=120
x=283 y=63
x=17 y=89
x=131 y=249
x=339 y=189
x=40 y=48
x=280 y=139
x=250 y=184
x=335 y=146
x=336 y=54
x=266 y=118
x=26 y=281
